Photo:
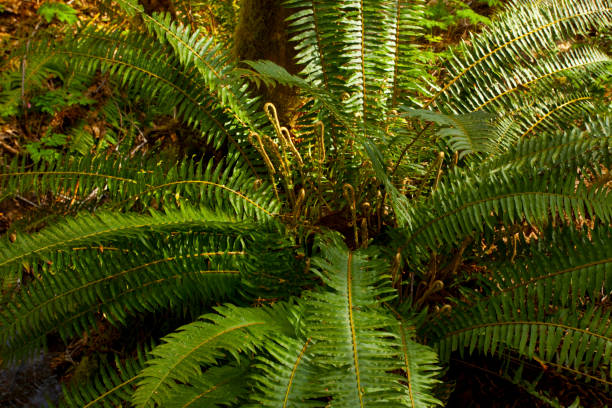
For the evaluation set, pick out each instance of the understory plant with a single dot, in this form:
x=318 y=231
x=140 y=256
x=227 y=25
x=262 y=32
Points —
x=401 y=221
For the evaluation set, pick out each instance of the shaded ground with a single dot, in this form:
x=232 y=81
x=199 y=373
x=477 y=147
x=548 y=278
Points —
x=31 y=384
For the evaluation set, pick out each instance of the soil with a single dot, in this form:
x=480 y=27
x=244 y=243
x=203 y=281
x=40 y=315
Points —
x=31 y=384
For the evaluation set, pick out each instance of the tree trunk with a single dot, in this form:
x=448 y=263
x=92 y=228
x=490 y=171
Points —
x=262 y=33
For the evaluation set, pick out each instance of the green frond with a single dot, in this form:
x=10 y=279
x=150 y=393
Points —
x=467 y=133
x=288 y=376
x=80 y=284
x=109 y=227
x=562 y=271
x=315 y=29
x=148 y=67
x=352 y=337
x=581 y=342
x=420 y=366
x=410 y=75
x=112 y=386
x=514 y=38
x=225 y=186
x=570 y=149
x=457 y=210
x=535 y=307
x=194 y=50
x=221 y=335
x=503 y=93
x=215 y=387
x=366 y=53
x=542 y=116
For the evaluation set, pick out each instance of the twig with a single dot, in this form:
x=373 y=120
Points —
x=9 y=148
x=25 y=200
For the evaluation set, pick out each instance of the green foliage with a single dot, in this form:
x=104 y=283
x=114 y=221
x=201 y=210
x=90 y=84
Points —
x=354 y=251
x=62 y=12
x=442 y=14
x=110 y=388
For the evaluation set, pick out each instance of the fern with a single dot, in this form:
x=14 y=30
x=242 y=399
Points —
x=288 y=376
x=75 y=288
x=225 y=185
x=529 y=27
x=351 y=336
x=109 y=388
x=225 y=334
x=508 y=195
x=318 y=230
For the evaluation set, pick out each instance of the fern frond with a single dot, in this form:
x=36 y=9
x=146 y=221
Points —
x=287 y=377
x=536 y=307
x=502 y=94
x=542 y=115
x=215 y=387
x=314 y=27
x=221 y=185
x=578 y=342
x=213 y=64
x=145 y=65
x=420 y=367
x=457 y=210
x=81 y=284
x=352 y=338
x=409 y=67
x=571 y=149
x=561 y=272
x=107 y=228
x=111 y=387
x=516 y=35
x=467 y=133
x=227 y=333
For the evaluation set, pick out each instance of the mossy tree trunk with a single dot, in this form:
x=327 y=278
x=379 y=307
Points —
x=262 y=33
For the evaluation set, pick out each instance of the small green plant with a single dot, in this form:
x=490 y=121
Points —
x=60 y=11
x=44 y=149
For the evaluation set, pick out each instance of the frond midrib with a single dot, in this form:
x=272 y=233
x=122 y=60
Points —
x=406 y=365
x=294 y=370
x=525 y=84
x=349 y=282
x=526 y=323
x=204 y=182
x=548 y=276
x=110 y=391
x=548 y=114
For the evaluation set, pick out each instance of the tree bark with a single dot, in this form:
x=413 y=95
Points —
x=262 y=34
